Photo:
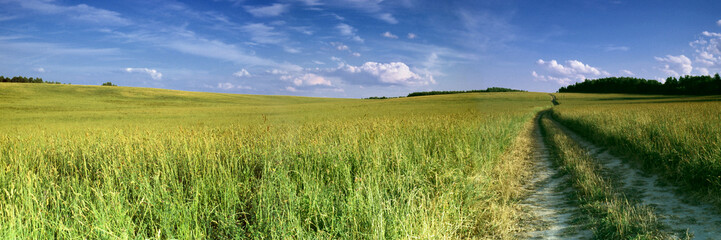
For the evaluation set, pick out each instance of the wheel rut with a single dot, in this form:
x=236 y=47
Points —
x=682 y=216
x=556 y=216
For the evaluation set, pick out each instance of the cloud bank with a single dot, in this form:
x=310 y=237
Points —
x=573 y=71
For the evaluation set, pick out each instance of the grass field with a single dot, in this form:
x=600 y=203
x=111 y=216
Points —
x=678 y=137
x=115 y=162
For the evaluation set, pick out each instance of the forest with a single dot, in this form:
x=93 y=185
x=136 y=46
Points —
x=684 y=85
x=490 y=89
x=20 y=79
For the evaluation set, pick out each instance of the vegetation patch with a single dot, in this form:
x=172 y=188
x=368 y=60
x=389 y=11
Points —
x=117 y=162
x=677 y=137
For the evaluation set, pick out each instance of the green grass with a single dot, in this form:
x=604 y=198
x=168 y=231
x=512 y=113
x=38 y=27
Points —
x=611 y=214
x=116 y=162
x=678 y=137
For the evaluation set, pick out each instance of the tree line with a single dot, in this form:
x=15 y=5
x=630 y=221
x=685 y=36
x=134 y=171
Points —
x=491 y=89
x=684 y=85
x=20 y=79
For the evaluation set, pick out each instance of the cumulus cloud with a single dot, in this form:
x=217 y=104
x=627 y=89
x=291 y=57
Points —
x=573 y=71
x=267 y=11
x=711 y=34
x=707 y=52
x=411 y=36
x=389 y=35
x=152 y=72
x=675 y=65
x=348 y=31
x=394 y=73
x=718 y=22
x=308 y=79
x=242 y=73
x=40 y=70
x=355 y=54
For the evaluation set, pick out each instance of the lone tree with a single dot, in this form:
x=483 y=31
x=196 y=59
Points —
x=108 y=84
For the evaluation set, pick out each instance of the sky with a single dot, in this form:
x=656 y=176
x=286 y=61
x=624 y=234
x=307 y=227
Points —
x=356 y=48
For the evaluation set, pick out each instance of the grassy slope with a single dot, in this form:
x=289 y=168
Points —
x=677 y=136
x=97 y=162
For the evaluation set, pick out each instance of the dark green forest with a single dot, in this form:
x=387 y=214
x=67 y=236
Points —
x=685 y=85
x=20 y=79
x=491 y=89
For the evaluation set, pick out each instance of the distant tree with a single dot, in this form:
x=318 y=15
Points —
x=692 y=85
x=108 y=84
x=491 y=89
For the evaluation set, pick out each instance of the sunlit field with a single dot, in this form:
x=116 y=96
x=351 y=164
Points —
x=676 y=136
x=106 y=162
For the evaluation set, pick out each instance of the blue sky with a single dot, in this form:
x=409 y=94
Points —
x=355 y=48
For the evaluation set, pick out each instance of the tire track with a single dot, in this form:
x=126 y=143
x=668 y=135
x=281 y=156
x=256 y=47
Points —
x=556 y=216
x=682 y=218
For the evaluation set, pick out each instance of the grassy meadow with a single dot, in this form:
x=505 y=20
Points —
x=116 y=162
x=676 y=136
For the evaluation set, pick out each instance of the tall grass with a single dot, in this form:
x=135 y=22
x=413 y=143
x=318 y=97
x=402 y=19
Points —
x=145 y=163
x=610 y=212
x=678 y=137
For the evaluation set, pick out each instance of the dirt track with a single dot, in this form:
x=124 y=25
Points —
x=556 y=215
x=698 y=219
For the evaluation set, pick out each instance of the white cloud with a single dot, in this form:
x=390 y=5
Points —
x=675 y=65
x=80 y=12
x=387 y=17
x=40 y=70
x=308 y=79
x=229 y=86
x=411 y=36
x=291 y=89
x=348 y=31
x=267 y=11
x=707 y=52
x=394 y=73
x=340 y=46
x=343 y=47
x=152 y=72
x=318 y=62
x=242 y=73
x=711 y=34
x=573 y=71
x=627 y=72
x=389 y=35
x=718 y=22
